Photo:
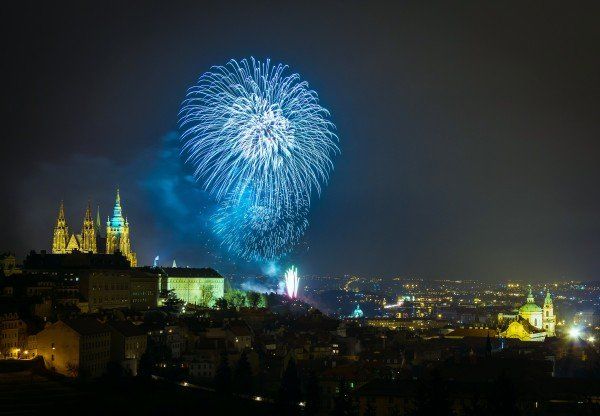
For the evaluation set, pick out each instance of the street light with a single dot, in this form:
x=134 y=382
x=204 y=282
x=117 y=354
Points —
x=574 y=332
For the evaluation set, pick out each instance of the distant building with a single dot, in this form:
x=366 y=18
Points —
x=78 y=347
x=127 y=344
x=461 y=333
x=357 y=313
x=170 y=336
x=90 y=239
x=104 y=281
x=240 y=335
x=144 y=290
x=45 y=263
x=117 y=289
x=8 y=264
x=13 y=335
x=201 y=367
x=106 y=289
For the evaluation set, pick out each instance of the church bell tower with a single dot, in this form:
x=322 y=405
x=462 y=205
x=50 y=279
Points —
x=549 y=319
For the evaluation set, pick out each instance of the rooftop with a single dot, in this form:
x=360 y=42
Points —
x=127 y=328
x=189 y=272
x=86 y=326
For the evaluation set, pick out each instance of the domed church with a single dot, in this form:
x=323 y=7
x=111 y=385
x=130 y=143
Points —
x=531 y=322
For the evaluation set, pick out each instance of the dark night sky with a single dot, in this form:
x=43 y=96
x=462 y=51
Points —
x=469 y=132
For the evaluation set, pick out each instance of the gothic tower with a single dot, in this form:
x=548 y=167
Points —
x=61 y=232
x=549 y=319
x=117 y=233
x=98 y=223
x=88 y=233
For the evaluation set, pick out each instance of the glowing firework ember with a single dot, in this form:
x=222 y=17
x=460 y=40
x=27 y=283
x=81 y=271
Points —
x=291 y=282
x=260 y=143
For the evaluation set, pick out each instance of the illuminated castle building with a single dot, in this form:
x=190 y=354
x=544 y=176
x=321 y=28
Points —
x=531 y=322
x=90 y=240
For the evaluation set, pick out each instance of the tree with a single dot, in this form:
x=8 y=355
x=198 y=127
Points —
x=343 y=404
x=222 y=303
x=114 y=370
x=504 y=397
x=223 y=375
x=155 y=354
x=313 y=396
x=253 y=299
x=370 y=409
x=206 y=295
x=72 y=369
x=173 y=303
x=432 y=398
x=289 y=393
x=236 y=298
x=488 y=346
x=262 y=303
x=243 y=375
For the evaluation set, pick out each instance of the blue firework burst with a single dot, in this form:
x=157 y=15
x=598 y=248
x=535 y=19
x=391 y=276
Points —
x=255 y=133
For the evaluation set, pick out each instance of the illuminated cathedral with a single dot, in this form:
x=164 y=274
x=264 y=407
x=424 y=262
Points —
x=91 y=240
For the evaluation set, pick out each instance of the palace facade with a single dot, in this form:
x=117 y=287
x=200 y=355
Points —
x=91 y=240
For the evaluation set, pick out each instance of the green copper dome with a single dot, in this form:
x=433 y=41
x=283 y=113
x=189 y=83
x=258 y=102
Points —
x=530 y=307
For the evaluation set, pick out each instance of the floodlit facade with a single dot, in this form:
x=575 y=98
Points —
x=197 y=286
x=75 y=348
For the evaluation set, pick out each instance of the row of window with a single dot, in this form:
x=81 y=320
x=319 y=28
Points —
x=108 y=299
x=94 y=344
x=94 y=355
x=115 y=286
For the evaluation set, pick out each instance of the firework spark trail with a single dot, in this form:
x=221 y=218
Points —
x=292 y=281
x=255 y=134
x=259 y=231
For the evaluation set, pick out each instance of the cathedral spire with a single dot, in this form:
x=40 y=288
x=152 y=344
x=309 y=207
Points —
x=88 y=231
x=61 y=214
x=117 y=233
x=88 y=212
x=61 y=232
x=117 y=219
x=98 y=223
